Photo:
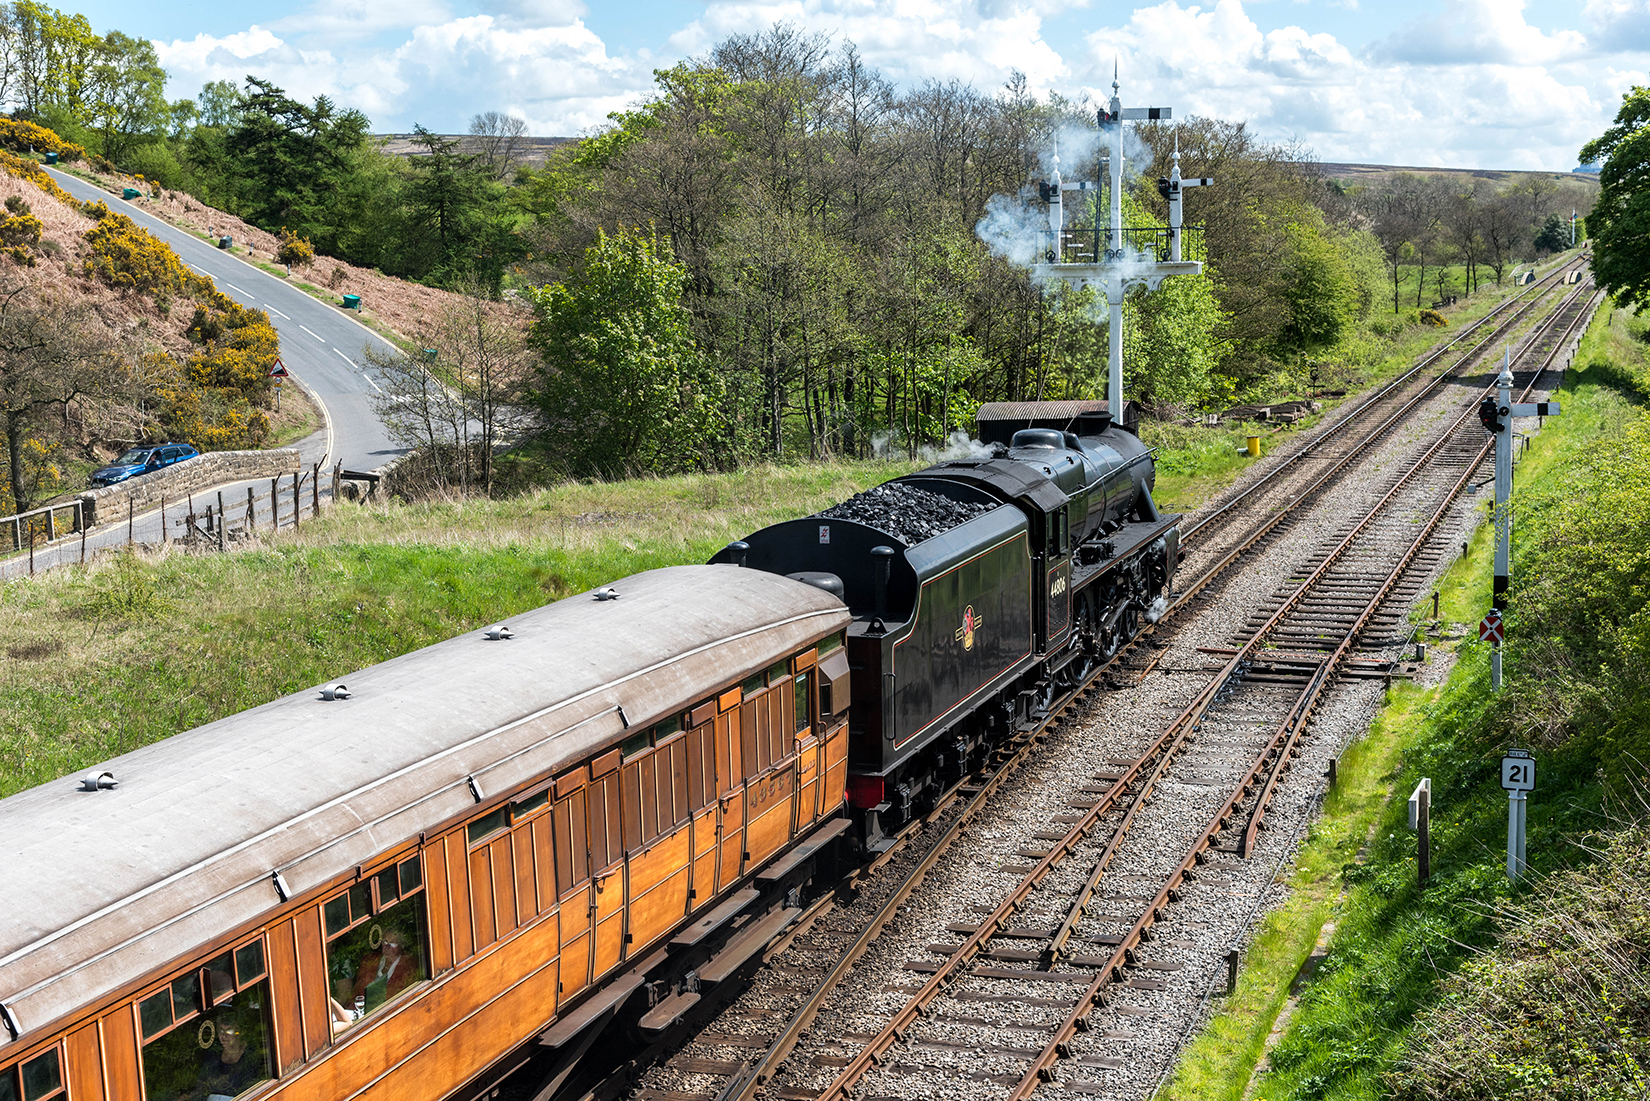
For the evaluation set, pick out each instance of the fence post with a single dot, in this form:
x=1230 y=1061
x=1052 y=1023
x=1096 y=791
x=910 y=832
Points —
x=31 y=550
x=163 y=521
x=251 y=512
x=131 y=515
x=297 y=501
x=223 y=520
x=51 y=527
x=337 y=470
x=275 y=503
x=315 y=490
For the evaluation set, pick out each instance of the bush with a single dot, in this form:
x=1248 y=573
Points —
x=294 y=250
x=1433 y=318
x=20 y=136
x=155 y=163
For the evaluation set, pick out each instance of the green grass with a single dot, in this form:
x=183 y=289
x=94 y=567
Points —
x=101 y=660
x=1392 y=942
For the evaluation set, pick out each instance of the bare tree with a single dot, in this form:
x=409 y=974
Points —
x=497 y=138
x=53 y=354
x=462 y=392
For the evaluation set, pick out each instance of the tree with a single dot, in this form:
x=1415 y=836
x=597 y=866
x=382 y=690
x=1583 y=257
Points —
x=287 y=159
x=497 y=139
x=1554 y=235
x=620 y=383
x=462 y=390
x=52 y=354
x=126 y=96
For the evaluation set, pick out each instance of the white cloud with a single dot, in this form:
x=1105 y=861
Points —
x=975 y=41
x=1470 y=83
x=1518 y=98
x=559 y=77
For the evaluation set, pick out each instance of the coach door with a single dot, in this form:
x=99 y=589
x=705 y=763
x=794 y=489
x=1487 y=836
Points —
x=571 y=820
x=809 y=750
x=702 y=793
x=607 y=862
x=769 y=743
x=730 y=806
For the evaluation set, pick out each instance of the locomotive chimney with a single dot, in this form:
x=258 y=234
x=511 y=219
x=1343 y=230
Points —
x=882 y=566
x=737 y=551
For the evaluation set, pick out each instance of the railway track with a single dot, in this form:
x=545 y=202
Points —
x=1064 y=924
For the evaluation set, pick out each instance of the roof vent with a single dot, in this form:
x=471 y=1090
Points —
x=475 y=788
x=334 y=691
x=98 y=781
x=500 y=631
x=13 y=1025
x=281 y=887
x=607 y=592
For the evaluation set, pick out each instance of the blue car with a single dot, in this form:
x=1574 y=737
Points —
x=143 y=460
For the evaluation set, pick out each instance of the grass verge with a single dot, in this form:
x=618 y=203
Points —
x=103 y=659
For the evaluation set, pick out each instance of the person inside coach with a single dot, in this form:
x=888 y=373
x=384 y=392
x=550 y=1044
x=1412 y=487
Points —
x=386 y=972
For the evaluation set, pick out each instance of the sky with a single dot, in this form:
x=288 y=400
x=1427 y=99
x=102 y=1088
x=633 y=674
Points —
x=1450 y=83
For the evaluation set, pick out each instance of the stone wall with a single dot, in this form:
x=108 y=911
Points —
x=178 y=481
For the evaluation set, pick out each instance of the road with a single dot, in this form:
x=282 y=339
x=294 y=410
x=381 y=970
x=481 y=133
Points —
x=320 y=344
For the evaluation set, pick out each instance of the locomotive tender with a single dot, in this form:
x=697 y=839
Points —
x=516 y=848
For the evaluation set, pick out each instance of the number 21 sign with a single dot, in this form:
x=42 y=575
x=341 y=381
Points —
x=1518 y=771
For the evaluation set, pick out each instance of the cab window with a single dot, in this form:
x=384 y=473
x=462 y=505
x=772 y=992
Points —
x=376 y=942
x=206 y=1033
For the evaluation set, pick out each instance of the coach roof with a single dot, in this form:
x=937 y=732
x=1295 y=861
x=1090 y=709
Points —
x=98 y=888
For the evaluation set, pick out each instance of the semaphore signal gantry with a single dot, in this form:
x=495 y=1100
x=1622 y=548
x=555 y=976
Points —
x=1132 y=257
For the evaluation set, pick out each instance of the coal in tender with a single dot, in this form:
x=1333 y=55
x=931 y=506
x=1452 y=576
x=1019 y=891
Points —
x=906 y=511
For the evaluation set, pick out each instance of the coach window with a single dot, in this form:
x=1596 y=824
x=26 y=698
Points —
x=375 y=942
x=39 y=1079
x=206 y=1034
x=802 y=696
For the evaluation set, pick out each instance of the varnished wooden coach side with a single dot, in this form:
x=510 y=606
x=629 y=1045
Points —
x=608 y=860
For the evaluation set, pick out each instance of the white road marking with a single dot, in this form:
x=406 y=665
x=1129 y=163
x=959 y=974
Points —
x=306 y=329
x=234 y=288
x=364 y=375
x=274 y=311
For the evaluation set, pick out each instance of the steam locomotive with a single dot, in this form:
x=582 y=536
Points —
x=522 y=848
x=980 y=588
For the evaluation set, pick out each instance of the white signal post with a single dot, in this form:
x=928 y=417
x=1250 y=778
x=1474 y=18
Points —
x=1518 y=777
x=1497 y=414
x=1120 y=267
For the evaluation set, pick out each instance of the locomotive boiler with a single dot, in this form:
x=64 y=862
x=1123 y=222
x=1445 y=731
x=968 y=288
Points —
x=979 y=589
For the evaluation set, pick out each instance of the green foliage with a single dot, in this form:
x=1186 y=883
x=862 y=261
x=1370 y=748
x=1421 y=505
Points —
x=622 y=386
x=1554 y=235
x=294 y=250
x=1620 y=222
x=1319 y=287
x=1560 y=1008
x=1174 y=344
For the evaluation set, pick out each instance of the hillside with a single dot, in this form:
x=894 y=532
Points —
x=110 y=339
x=401 y=308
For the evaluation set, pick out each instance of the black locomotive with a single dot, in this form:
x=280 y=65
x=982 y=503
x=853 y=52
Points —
x=980 y=588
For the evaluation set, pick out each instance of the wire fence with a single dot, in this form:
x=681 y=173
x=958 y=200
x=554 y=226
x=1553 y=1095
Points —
x=204 y=521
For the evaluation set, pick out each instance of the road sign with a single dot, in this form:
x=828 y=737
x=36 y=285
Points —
x=1490 y=628
x=1518 y=771
x=277 y=369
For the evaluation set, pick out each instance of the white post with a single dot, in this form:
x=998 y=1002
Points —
x=1495 y=667
x=1516 y=804
x=1174 y=202
x=1056 y=209
x=1503 y=487
x=1114 y=244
